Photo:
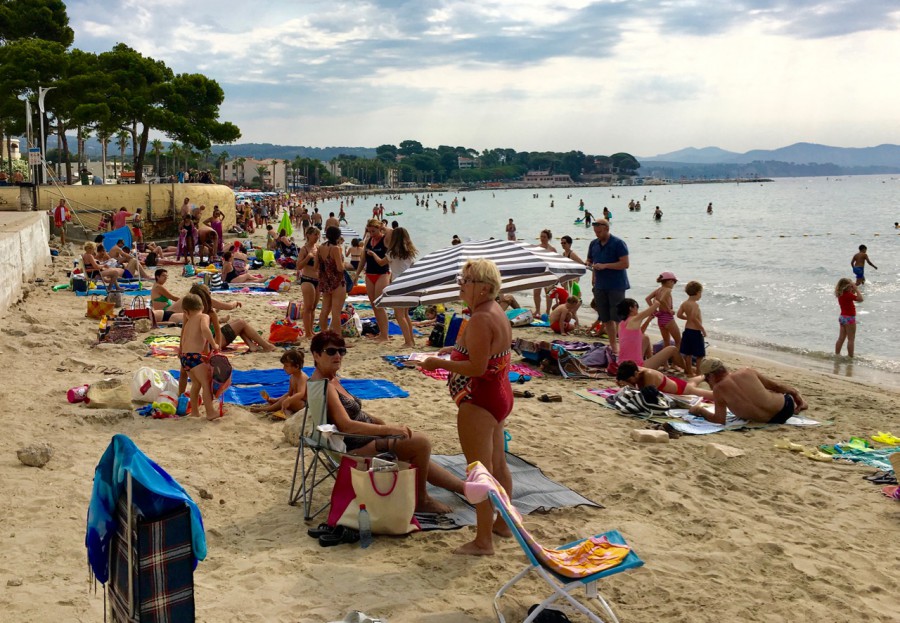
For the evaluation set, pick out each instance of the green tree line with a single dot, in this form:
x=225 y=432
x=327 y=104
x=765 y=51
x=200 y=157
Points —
x=119 y=95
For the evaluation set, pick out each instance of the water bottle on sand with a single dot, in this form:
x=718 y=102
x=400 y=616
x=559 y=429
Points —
x=365 y=527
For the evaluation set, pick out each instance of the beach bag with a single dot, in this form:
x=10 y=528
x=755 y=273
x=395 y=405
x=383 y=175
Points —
x=216 y=283
x=97 y=308
x=520 y=317
x=654 y=401
x=284 y=332
x=627 y=402
x=389 y=496
x=79 y=283
x=139 y=310
x=147 y=384
x=293 y=311
x=436 y=337
x=188 y=270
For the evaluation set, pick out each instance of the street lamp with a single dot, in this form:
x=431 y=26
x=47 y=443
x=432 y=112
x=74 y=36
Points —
x=42 y=92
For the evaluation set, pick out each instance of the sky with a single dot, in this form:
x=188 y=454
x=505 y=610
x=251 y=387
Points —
x=641 y=76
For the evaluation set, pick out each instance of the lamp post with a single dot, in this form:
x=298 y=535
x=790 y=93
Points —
x=42 y=92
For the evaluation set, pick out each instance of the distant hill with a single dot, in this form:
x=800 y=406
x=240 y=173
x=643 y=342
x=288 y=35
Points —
x=881 y=156
x=259 y=151
x=705 y=155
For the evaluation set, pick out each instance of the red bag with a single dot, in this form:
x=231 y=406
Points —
x=284 y=332
x=279 y=284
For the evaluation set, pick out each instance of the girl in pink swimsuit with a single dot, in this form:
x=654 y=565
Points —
x=665 y=314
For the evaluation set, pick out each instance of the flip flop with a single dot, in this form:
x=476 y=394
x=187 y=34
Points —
x=785 y=444
x=550 y=398
x=321 y=530
x=340 y=535
x=858 y=443
x=887 y=438
x=882 y=478
x=518 y=393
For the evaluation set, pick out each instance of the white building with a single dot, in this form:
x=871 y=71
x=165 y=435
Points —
x=243 y=170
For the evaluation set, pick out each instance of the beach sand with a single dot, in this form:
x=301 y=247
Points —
x=770 y=536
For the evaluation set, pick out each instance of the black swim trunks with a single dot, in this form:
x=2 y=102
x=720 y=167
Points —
x=786 y=412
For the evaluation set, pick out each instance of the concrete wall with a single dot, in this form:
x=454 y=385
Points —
x=23 y=252
x=159 y=201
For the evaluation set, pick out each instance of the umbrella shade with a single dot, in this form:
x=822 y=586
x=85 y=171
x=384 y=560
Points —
x=285 y=224
x=432 y=279
x=349 y=233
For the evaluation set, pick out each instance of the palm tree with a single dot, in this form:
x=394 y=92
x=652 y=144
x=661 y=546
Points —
x=221 y=159
x=156 y=148
x=274 y=163
x=261 y=171
x=239 y=165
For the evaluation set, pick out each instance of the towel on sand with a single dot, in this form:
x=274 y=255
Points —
x=532 y=491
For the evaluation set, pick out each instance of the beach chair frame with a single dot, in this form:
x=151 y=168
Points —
x=562 y=586
x=321 y=456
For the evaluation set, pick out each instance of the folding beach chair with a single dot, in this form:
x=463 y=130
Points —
x=321 y=453
x=564 y=569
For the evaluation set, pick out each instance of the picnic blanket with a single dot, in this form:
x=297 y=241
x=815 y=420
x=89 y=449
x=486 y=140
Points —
x=682 y=421
x=532 y=491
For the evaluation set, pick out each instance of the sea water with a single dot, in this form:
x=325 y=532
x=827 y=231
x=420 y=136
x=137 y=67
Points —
x=769 y=256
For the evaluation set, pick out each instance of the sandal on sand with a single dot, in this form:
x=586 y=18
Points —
x=887 y=438
x=881 y=478
x=785 y=444
x=340 y=535
x=549 y=616
x=278 y=415
x=518 y=393
x=550 y=398
x=321 y=530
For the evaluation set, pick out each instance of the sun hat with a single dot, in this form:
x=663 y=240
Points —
x=666 y=276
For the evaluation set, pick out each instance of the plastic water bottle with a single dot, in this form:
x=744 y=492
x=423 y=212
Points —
x=365 y=527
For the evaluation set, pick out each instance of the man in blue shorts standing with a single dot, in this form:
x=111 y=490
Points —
x=607 y=256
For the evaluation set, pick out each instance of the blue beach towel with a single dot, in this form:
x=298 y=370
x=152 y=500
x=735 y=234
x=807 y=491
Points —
x=154 y=493
x=246 y=385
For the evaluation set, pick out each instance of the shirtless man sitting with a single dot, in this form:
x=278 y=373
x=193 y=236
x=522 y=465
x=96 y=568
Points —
x=748 y=394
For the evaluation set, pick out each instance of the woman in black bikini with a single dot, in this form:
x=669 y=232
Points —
x=377 y=269
x=308 y=275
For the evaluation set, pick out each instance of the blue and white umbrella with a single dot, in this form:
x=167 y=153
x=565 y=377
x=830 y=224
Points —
x=432 y=278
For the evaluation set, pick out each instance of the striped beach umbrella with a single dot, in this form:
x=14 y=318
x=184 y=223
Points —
x=349 y=233
x=432 y=278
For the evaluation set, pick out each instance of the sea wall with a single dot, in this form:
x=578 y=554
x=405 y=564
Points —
x=23 y=252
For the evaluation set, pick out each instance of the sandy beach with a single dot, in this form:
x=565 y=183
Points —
x=769 y=536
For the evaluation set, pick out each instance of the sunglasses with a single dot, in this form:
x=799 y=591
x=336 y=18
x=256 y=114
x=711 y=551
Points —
x=461 y=281
x=331 y=351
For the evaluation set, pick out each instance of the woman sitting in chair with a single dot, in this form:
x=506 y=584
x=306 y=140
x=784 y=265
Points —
x=345 y=412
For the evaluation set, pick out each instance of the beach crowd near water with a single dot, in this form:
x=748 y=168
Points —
x=703 y=524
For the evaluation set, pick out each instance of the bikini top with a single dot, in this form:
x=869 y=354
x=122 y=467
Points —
x=353 y=407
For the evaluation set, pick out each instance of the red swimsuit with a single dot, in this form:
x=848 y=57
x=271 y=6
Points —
x=491 y=391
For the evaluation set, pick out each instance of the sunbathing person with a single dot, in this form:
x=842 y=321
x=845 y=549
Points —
x=95 y=269
x=234 y=269
x=294 y=399
x=631 y=374
x=748 y=394
x=345 y=412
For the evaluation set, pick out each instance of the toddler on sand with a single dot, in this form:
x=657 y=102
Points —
x=564 y=318
x=692 y=342
x=196 y=342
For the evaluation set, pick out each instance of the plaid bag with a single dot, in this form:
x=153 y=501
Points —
x=163 y=568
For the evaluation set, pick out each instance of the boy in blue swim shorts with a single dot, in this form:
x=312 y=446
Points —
x=858 y=263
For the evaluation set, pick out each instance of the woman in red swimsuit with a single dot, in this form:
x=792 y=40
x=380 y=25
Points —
x=479 y=384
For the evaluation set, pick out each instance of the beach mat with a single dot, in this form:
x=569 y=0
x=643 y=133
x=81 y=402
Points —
x=532 y=491
x=246 y=385
x=163 y=346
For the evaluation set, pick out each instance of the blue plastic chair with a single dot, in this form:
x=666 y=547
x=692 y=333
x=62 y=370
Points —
x=563 y=586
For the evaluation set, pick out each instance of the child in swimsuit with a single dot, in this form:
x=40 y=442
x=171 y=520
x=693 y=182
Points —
x=665 y=314
x=848 y=295
x=196 y=343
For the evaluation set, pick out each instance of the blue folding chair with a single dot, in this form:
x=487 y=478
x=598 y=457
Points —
x=562 y=586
